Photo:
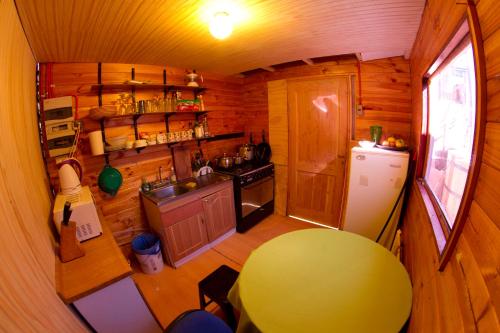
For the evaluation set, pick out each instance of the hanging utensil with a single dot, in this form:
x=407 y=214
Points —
x=263 y=150
x=110 y=180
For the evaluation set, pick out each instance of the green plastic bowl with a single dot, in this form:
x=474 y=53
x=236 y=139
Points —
x=110 y=180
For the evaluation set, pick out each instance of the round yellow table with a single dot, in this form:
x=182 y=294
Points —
x=322 y=280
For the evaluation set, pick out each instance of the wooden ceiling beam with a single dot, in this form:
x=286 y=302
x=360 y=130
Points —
x=269 y=69
x=308 y=61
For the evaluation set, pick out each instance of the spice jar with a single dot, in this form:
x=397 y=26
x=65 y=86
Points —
x=198 y=131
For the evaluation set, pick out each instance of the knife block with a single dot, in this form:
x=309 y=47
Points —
x=69 y=249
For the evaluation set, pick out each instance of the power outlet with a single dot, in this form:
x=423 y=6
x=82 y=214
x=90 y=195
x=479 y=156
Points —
x=359 y=110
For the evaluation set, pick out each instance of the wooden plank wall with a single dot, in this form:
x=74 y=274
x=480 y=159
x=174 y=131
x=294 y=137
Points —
x=466 y=295
x=278 y=139
x=28 y=301
x=123 y=213
x=385 y=90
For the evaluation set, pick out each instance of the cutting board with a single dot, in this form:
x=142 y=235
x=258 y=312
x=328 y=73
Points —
x=182 y=163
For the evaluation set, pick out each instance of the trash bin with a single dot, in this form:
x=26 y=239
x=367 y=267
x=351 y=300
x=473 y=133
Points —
x=148 y=252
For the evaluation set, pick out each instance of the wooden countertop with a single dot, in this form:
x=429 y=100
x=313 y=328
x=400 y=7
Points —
x=102 y=264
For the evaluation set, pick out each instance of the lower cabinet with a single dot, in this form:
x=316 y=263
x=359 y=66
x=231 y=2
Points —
x=219 y=212
x=191 y=224
x=188 y=233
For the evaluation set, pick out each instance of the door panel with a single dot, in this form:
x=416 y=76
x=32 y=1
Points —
x=318 y=136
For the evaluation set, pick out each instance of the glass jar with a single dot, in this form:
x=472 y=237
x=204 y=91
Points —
x=198 y=131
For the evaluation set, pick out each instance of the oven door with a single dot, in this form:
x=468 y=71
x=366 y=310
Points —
x=256 y=195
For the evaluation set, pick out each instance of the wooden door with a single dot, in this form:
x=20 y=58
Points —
x=188 y=233
x=318 y=140
x=219 y=211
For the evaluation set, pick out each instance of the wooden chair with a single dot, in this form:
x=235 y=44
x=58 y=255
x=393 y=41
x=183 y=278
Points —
x=216 y=287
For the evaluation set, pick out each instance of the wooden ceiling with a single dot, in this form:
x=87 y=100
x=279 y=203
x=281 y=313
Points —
x=175 y=32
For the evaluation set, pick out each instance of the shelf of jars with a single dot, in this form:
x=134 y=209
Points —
x=168 y=138
x=120 y=87
x=136 y=116
x=168 y=143
x=172 y=104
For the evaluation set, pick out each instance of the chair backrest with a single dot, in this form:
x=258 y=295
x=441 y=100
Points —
x=196 y=321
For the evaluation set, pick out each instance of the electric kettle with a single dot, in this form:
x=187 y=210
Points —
x=69 y=180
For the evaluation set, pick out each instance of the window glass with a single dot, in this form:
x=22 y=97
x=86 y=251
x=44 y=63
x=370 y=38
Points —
x=452 y=109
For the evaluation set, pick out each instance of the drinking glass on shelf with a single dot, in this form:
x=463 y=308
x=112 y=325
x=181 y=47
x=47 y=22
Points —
x=155 y=105
x=148 y=106
x=163 y=105
x=168 y=106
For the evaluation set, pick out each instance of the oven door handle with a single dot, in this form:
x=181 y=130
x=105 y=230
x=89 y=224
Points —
x=257 y=183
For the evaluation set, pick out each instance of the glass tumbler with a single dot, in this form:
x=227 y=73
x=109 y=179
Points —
x=376 y=133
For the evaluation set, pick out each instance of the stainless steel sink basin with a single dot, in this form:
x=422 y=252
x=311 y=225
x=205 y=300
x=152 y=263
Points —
x=168 y=191
x=171 y=191
x=165 y=192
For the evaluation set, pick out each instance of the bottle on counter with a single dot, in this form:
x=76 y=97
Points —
x=173 y=177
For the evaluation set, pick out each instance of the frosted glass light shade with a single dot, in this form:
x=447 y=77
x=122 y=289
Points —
x=221 y=25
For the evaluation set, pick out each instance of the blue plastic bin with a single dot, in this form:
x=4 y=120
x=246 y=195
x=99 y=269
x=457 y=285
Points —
x=146 y=244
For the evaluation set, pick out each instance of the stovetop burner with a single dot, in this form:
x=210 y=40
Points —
x=242 y=169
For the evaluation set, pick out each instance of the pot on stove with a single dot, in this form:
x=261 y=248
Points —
x=238 y=159
x=225 y=162
x=247 y=151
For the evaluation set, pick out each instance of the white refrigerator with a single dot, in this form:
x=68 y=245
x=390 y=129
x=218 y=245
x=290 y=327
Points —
x=376 y=180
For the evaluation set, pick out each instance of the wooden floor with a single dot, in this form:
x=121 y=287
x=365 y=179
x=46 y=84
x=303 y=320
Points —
x=173 y=291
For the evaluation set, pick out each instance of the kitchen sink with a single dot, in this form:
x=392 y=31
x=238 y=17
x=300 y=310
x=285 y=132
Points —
x=171 y=191
x=168 y=191
x=164 y=192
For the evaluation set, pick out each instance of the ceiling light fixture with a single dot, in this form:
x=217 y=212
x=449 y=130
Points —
x=220 y=25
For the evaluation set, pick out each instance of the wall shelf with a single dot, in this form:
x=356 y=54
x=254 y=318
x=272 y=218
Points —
x=118 y=87
x=216 y=137
x=101 y=87
x=136 y=116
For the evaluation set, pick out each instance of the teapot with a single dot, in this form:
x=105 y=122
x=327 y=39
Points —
x=69 y=180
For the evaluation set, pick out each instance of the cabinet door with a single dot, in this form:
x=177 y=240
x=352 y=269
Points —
x=188 y=233
x=219 y=211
